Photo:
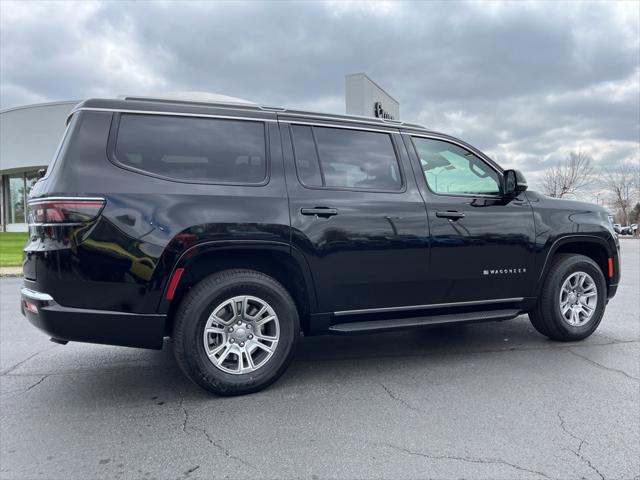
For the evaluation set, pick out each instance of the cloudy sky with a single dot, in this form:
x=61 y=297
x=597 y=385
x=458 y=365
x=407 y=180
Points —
x=525 y=82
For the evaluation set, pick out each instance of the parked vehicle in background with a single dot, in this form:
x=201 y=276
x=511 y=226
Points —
x=235 y=228
x=617 y=227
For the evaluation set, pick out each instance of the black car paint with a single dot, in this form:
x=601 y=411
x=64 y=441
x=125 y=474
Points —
x=382 y=251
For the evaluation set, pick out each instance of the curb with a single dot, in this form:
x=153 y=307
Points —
x=10 y=271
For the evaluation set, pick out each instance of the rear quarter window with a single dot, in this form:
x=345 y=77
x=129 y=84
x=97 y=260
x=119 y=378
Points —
x=196 y=150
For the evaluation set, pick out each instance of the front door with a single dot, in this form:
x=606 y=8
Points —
x=356 y=215
x=481 y=242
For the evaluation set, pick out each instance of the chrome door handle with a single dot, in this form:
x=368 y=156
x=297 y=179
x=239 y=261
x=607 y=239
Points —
x=324 y=212
x=451 y=215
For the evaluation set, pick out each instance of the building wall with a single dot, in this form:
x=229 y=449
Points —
x=29 y=137
x=365 y=97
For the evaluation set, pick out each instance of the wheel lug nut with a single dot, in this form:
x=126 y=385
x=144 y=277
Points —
x=231 y=340
x=250 y=337
x=231 y=329
x=242 y=344
x=239 y=322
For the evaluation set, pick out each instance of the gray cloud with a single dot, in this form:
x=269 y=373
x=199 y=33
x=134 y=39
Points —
x=525 y=82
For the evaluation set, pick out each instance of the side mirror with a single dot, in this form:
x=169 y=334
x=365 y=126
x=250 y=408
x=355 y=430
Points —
x=514 y=183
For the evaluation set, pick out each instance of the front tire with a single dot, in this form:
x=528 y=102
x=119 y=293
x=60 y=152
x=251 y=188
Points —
x=572 y=299
x=235 y=332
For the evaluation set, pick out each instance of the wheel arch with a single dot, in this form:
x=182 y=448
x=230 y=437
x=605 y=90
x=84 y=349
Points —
x=590 y=246
x=276 y=259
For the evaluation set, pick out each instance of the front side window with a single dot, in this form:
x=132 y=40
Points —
x=344 y=158
x=202 y=150
x=451 y=169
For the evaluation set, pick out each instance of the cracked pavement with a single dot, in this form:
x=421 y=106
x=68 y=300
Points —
x=484 y=401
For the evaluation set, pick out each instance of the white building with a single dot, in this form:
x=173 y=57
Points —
x=365 y=97
x=29 y=137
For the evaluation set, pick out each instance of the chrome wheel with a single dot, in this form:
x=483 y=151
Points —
x=241 y=334
x=578 y=299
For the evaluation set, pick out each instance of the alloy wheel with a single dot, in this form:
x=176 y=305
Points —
x=241 y=334
x=578 y=299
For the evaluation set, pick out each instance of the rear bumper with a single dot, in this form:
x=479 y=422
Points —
x=92 y=326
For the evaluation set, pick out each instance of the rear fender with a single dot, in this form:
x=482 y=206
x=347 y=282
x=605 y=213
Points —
x=224 y=248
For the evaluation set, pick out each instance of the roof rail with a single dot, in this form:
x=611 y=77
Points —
x=245 y=105
x=272 y=109
x=170 y=99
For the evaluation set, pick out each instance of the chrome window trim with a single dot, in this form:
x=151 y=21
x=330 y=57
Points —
x=61 y=224
x=364 y=121
x=391 y=130
x=352 y=118
x=32 y=294
x=53 y=199
x=343 y=313
x=174 y=114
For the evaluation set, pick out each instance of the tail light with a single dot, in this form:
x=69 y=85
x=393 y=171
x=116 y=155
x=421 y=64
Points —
x=67 y=211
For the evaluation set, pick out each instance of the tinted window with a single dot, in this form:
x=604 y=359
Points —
x=306 y=155
x=193 y=149
x=452 y=169
x=348 y=158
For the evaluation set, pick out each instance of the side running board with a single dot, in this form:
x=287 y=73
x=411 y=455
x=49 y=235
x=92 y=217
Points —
x=424 y=321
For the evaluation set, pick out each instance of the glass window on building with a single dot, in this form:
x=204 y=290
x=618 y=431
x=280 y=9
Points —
x=31 y=178
x=18 y=186
x=15 y=208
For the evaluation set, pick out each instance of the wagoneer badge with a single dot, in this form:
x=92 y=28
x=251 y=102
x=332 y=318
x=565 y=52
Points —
x=504 y=271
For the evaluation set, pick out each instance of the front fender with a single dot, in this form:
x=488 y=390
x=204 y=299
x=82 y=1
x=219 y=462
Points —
x=607 y=242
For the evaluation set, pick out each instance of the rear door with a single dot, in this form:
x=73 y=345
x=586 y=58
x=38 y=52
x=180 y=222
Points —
x=483 y=244
x=356 y=214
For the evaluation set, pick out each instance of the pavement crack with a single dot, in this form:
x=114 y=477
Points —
x=186 y=427
x=185 y=414
x=581 y=442
x=30 y=387
x=6 y=371
x=191 y=470
x=397 y=398
x=486 y=461
x=600 y=365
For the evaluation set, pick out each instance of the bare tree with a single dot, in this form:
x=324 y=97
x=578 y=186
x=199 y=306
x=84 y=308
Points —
x=620 y=182
x=572 y=175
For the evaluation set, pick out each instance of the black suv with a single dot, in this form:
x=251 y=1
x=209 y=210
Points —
x=235 y=228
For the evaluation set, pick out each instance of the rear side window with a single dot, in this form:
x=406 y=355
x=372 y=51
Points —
x=336 y=157
x=200 y=150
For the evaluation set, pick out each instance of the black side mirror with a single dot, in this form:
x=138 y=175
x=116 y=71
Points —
x=514 y=183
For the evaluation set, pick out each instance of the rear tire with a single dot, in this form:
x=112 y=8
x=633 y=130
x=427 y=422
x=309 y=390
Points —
x=250 y=340
x=572 y=299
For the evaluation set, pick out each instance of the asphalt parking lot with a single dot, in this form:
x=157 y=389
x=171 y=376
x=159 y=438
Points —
x=488 y=401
